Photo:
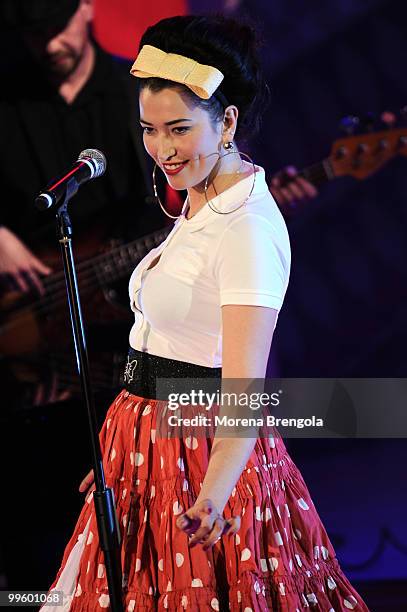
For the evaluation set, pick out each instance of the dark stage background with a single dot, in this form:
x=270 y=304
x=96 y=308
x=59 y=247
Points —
x=345 y=313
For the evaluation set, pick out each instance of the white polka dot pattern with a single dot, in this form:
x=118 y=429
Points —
x=350 y=602
x=179 y=559
x=177 y=508
x=104 y=601
x=279 y=525
x=303 y=504
x=273 y=563
x=331 y=583
x=191 y=442
x=138 y=459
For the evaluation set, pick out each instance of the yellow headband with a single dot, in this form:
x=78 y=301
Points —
x=152 y=62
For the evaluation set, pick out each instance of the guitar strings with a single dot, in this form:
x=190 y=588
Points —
x=59 y=277
x=88 y=278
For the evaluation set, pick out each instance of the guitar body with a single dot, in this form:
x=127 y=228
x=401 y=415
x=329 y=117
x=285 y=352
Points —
x=30 y=323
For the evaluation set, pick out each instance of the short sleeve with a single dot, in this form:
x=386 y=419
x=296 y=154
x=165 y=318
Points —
x=132 y=289
x=252 y=263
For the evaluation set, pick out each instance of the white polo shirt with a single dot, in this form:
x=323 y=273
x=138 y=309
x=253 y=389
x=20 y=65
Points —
x=206 y=262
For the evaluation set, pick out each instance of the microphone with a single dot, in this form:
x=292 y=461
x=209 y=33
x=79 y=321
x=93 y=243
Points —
x=90 y=164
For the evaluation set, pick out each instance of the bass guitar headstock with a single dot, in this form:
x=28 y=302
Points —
x=361 y=154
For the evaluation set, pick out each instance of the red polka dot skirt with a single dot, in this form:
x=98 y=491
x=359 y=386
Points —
x=281 y=559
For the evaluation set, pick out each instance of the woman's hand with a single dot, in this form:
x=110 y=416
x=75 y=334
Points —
x=205 y=525
x=88 y=483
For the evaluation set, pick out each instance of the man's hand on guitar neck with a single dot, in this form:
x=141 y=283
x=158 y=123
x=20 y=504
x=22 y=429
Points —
x=289 y=189
x=20 y=269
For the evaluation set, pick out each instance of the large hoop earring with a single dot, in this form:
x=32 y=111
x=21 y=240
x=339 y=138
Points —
x=229 y=152
x=158 y=198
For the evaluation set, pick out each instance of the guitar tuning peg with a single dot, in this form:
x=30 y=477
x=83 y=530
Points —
x=368 y=122
x=388 y=118
x=349 y=124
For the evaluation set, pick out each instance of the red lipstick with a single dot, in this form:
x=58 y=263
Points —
x=174 y=168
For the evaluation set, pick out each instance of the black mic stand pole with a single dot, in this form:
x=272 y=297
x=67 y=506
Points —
x=108 y=528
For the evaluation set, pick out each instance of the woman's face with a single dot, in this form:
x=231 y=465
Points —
x=179 y=136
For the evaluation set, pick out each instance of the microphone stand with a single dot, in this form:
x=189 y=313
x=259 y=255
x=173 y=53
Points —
x=108 y=528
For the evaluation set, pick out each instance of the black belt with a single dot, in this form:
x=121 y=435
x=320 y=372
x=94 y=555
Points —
x=143 y=369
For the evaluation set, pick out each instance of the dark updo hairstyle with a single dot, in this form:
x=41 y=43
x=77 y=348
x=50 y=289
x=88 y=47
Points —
x=229 y=46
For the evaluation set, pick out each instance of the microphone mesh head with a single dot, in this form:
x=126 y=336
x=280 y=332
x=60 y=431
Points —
x=98 y=159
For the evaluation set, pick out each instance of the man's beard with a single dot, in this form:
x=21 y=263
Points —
x=62 y=70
